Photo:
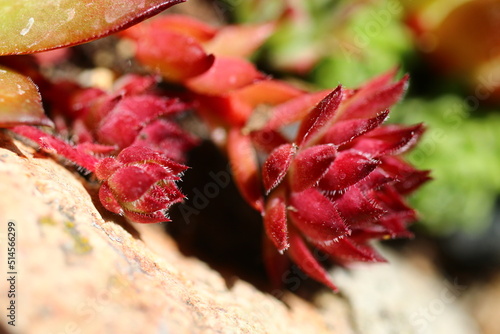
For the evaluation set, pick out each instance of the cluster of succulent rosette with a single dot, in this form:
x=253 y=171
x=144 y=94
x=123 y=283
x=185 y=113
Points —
x=321 y=167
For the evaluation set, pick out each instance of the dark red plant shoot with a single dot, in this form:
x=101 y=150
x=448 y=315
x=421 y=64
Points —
x=321 y=167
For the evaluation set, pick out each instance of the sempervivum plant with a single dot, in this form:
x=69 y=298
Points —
x=337 y=183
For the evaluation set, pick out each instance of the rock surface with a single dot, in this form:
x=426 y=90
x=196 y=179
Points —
x=78 y=272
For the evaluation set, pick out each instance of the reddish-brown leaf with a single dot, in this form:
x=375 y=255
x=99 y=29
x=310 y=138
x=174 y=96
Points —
x=276 y=166
x=368 y=102
x=302 y=256
x=348 y=168
x=294 y=109
x=316 y=216
x=319 y=117
x=389 y=140
x=310 y=165
x=345 y=131
x=275 y=220
x=345 y=251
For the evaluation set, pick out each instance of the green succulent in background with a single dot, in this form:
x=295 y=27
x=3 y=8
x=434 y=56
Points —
x=331 y=41
x=462 y=148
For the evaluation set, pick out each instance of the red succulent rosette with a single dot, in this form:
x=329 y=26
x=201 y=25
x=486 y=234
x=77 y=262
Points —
x=140 y=184
x=335 y=184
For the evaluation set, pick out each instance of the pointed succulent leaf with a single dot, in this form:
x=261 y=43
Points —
x=29 y=26
x=356 y=208
x=129 y=183
x=244 y=165
x=276 y=166
x=106 y=167
x=319 y=117
x=389 y=140
x=275 y=220
x=407 y=176
x=345 y=251
x=139 y=154
x=167 y=137
x=49 y=143
x=226 y=74
x=108 y=199
x=302 y=256
x=20 y=101
x=122 y=124
x=345 y=131
x=276 y=264
x=239 y=40
x=294 y=110
x=158 y=198
x=236 y=106
x=368 y=103
x=316 y=216
x=348 y=168
x=310 y=165
x=147 y=218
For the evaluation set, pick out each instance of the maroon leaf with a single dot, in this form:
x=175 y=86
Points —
x=30 y=26
x=147 y=218
x=122 y=124
x=142 y=155
x=302 y=256
x=368 y=103
x=294 y=109
x=129 y=183
x=158 y=197
x=356 y=208
x=345 y=251
x=319 y=117
x=409 y=178
x=316 y=216
x=275 y=220
x=50 y=143
x=276 y=166
x=393 y=139
x=276 y=264
x=345 y=131
x=108 y=199
x=348 y=168
x=310 y=165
